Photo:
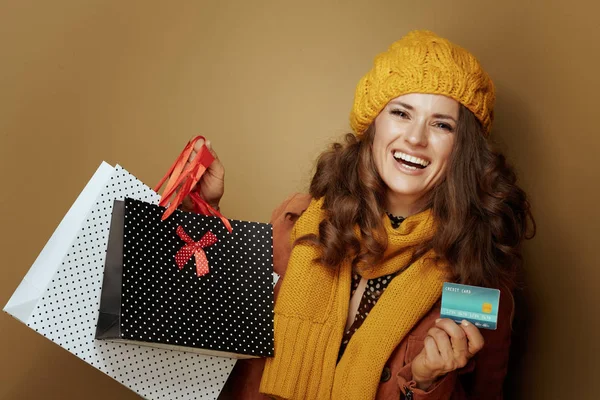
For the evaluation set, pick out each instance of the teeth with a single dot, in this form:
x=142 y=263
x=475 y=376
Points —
x=412 y=159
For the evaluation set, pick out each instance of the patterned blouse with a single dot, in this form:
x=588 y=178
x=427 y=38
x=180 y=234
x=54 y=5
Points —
x=373 y=292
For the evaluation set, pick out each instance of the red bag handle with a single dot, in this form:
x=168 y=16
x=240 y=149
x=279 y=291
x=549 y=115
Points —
x=180 y=181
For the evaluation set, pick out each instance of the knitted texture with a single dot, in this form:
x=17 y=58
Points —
x=312 y=307
x=422 y=62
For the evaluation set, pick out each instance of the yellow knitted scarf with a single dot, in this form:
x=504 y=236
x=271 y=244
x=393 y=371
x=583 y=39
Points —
x=312 y=307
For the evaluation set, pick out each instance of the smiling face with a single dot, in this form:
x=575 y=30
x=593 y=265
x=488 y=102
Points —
x=414 y=137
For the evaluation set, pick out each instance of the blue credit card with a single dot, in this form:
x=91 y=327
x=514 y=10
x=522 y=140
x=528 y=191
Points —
x=477 y=305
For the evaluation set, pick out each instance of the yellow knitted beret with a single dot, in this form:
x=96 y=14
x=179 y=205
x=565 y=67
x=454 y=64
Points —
x=422 y=62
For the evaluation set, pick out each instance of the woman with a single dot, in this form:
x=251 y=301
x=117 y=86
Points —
x=413 y=198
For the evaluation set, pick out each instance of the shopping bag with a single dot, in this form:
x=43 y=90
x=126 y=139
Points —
x=60 y=295
x=157 y=288
x=27 y=295
x=186 y=283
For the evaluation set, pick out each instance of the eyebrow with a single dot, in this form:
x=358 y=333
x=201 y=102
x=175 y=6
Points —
x=411 y=108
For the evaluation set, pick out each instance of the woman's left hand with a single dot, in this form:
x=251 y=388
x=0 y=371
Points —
x=448 y=346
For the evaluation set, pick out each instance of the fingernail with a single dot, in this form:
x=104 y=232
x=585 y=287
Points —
x=465 y=322
x=207 y=143
x=438 y=320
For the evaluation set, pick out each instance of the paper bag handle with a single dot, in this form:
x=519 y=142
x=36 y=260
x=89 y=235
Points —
x=180 y=182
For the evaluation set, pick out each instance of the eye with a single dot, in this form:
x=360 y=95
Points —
x=399 y=113
x=444 y=126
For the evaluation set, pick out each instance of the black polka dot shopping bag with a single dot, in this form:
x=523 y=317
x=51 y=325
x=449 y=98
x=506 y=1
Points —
x=193 y=294
x=188 y=281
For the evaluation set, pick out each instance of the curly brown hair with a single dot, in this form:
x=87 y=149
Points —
x=482 y=215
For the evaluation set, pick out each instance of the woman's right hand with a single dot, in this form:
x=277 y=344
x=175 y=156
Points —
x=212 y=183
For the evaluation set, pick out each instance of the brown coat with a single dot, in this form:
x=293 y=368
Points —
x=482 y=378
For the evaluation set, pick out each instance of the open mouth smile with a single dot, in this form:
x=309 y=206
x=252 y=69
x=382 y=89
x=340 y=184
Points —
x=411 y=162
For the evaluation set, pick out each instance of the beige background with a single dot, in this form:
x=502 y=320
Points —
x=271 y=83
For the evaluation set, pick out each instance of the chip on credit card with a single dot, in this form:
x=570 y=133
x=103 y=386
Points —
x=476 y=304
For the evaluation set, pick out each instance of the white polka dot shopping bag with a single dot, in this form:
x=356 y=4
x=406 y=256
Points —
x=169 y=301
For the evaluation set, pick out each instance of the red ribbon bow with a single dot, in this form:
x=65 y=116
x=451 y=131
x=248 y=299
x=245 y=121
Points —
x=194 y=249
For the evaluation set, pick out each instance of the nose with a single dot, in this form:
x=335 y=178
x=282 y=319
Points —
x=416 y=135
